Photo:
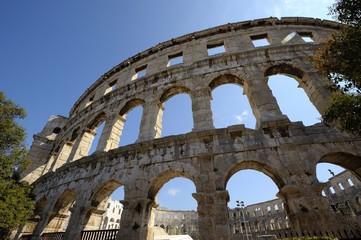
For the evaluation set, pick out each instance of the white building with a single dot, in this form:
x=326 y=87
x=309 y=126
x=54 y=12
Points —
x=111 y=218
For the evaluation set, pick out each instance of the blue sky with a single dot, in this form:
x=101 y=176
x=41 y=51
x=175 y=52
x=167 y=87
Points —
x=52 y=51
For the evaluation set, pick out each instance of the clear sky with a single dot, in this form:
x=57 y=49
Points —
x=52 y=51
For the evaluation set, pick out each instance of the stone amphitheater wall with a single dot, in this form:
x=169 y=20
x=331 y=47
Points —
x=65 y=177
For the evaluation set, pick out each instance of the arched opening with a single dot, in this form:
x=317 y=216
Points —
x=176 y=194
x=292 y=99
x=96 y=126
x=35 y=218
x=56 y=130
x=131 y=126
x=230 y=106
x=107 y=206
x=132 y=115
x=340 y=174
x=98 y=131
x=59 y=219
x=177 y=114
x=252 y=187
x=177 y=208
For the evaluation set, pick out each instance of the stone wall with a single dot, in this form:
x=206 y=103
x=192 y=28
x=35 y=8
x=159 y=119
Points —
x=66 y=178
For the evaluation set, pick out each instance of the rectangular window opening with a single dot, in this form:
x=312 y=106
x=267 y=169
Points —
x=90 y=101
x=260 y=40
x=268 y=208
x=175 y=59
x=140 y=72
x=341 y=186
x=323 y=193
x=350 y=182
x=214 y=49
x=306 y=36
x=112 y=84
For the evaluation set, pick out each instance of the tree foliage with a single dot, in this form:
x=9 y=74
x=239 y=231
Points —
x=339 y=59
x=347 y=11
x=16 y=204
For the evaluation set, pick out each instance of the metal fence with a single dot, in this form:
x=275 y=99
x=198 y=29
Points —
x=109 y=234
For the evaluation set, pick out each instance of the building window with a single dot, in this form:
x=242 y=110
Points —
x=214 y=49
x=350 y=182
x=90 y=101
x=341 y=186
x=260 y=40
x=306 y=36
x=175 y=59
x=323 y=193
x=56 y=130
x=140 y=72
x=111 y=86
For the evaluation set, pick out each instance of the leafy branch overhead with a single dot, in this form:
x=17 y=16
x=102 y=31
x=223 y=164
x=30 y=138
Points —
x=340 y=60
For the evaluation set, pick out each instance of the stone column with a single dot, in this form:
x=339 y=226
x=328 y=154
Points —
x=78 y=218
x=136 y=222
x=112 y=131
x=213 y=219
x=201 y=108
x=44 y=220
x=151 y=123
x=50 y=164
x=264 y=105
x=314 y=86
x=310 y=213
x=61 y=158
x=82 y=145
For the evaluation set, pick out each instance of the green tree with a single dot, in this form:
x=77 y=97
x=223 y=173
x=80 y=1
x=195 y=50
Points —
x=16 y=203
x=340 y=59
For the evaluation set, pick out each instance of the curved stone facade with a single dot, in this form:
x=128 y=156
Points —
x=264 y=218
x=177 y=222
x=287 y=152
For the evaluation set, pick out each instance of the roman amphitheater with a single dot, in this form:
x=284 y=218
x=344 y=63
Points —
x=72 y=187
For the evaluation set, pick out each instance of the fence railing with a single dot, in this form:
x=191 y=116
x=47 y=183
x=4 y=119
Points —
x=289 y=233
x=109 y=234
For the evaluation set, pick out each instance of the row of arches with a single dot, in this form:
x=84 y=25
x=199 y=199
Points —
x=136 y=121
x=65 y=201
x=261 y=226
